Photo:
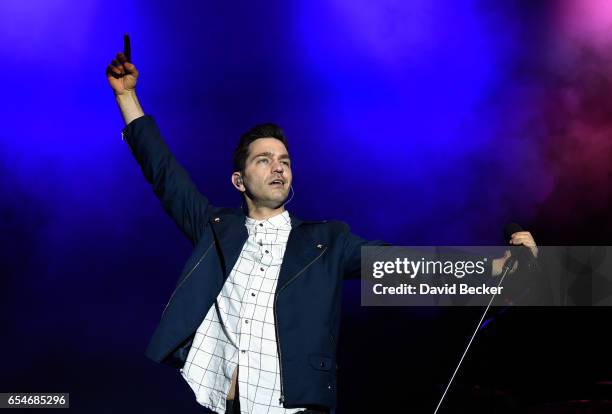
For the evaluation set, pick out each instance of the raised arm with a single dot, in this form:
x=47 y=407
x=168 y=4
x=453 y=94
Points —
x=180 y=198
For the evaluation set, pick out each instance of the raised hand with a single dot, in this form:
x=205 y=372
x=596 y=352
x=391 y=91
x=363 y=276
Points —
x=121 y=73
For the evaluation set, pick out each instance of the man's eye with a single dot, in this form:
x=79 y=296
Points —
x=286 y=163
x=263 y=160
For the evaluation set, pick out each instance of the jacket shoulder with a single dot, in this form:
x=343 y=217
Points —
x=328 y=226
x=226 y=211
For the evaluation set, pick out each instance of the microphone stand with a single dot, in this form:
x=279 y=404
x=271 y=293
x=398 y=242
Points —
x=505 y=269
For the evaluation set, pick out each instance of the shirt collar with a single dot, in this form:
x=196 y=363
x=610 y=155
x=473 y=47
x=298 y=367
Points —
x=280 y=221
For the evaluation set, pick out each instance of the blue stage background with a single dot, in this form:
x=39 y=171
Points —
x=421 y=122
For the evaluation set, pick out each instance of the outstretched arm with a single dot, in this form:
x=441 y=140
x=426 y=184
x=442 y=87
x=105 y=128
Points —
x=353 y=244
x=179 y=196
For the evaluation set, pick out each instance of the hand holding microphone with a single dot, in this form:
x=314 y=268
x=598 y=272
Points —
x=515 y=235
x=524 y=250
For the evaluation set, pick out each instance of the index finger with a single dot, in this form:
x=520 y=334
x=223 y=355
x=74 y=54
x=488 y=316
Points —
x=127 y=49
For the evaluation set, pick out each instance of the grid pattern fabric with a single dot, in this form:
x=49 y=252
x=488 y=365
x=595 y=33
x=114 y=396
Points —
x=238 y=330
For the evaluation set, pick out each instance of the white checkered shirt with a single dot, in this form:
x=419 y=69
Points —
x=239 y=331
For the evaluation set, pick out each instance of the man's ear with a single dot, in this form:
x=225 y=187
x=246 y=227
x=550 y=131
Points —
x=238 y=182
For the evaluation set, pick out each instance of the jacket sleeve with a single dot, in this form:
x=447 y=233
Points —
x=352 y=252
x=179 y=196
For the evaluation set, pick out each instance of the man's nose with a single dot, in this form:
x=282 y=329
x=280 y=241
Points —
x=278 y=167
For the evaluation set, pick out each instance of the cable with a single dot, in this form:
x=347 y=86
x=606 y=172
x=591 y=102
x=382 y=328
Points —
x=506 y=270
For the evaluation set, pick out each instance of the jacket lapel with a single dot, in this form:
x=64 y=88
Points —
x=231 y=234
x=301 y=250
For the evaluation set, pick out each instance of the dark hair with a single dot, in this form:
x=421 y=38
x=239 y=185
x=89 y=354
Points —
x=258 y=131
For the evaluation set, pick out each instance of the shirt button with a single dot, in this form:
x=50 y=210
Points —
x=261 y=268
x=243 y=351
x=252 y=294
x=267 y=251
x=260 y=224
x=246 y=321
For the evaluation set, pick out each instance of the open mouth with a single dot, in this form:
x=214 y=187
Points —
x=277 y=182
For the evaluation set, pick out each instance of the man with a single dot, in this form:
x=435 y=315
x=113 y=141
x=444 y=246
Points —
x=254 y=319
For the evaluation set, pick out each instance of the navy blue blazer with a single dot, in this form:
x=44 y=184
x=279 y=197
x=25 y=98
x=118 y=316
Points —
x=308 y=294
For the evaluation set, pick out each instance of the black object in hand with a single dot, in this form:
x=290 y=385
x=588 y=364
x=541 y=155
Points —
x=127 y=48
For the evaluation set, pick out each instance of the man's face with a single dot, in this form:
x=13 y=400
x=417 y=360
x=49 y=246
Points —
x=267 y=173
